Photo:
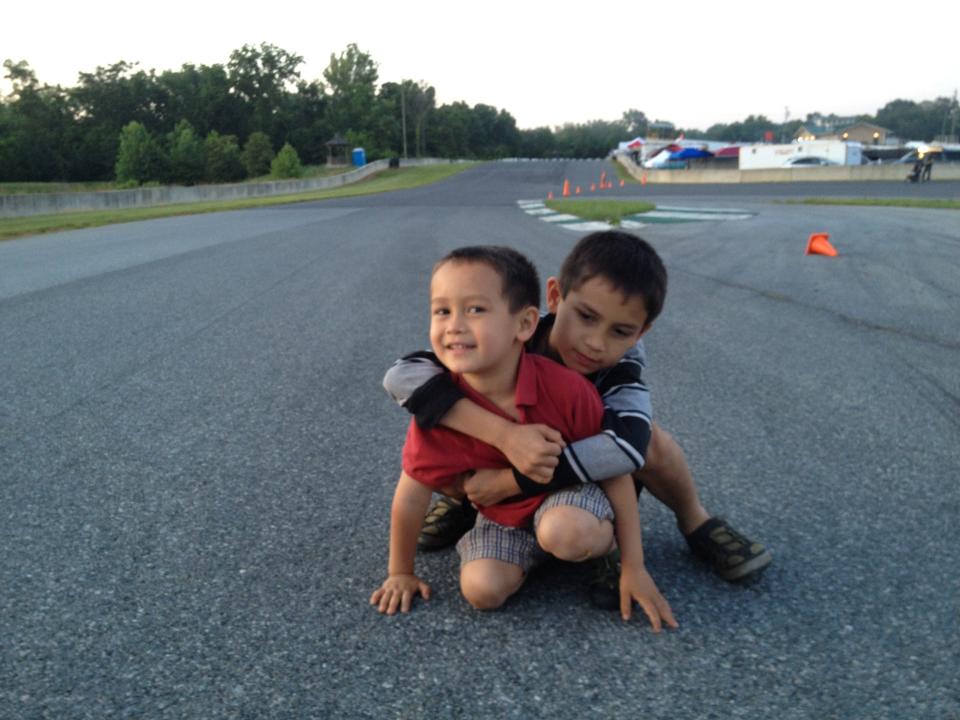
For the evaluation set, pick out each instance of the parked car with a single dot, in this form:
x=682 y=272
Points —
x=808 y=161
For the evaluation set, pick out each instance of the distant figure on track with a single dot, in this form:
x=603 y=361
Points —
x=927 y=167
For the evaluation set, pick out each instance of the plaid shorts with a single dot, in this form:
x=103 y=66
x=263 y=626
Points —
x=489 y=540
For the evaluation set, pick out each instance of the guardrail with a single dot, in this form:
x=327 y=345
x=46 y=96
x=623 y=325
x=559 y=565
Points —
x=54 y=203
x=838 y=173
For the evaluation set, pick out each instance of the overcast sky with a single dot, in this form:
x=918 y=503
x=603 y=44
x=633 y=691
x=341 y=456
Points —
x=545 y=63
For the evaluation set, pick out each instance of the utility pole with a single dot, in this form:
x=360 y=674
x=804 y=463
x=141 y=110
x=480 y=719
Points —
x=403 y=117
x=954 y=112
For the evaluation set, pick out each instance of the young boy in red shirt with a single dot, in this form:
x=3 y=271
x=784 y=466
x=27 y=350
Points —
x=484 y=306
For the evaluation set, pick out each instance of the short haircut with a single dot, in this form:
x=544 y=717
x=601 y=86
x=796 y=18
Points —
x=518 y=276
x=626 y=261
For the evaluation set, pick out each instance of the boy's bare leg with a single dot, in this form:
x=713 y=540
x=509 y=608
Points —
x=487 y=583
x=668 y=478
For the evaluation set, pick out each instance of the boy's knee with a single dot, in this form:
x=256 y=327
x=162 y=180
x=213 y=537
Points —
x=574 y=535
x=482 y=597
x=487 y=588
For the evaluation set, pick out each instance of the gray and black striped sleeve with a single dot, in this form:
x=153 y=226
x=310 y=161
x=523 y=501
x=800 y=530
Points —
x=621 y=447
x=421 y=385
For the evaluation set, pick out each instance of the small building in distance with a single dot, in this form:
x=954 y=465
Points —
x=661 y=130
x=861 y=132
x=338 y=151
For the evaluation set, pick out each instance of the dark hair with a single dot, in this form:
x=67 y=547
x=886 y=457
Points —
x=627 y=262
x=521 y=284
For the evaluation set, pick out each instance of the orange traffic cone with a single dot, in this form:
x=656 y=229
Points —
x=622 y=183
x=643 y=179
x=819 y=244
x=578 y=189
x=550 y=195
x=566 y=188
x=593 y=187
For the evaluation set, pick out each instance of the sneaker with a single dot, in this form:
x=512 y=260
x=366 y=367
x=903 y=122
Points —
x=604 y=589
x=731 y=555
x=446 y=522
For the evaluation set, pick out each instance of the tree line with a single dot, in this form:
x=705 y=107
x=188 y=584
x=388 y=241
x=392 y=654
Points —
x=256 y=115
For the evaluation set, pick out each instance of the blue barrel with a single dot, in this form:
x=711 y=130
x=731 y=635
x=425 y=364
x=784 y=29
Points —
x=359 y=157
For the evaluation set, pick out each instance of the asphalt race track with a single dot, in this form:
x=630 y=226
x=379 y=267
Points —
x=197 y=461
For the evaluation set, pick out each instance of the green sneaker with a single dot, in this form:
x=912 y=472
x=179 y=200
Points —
x=446 y=522
x=729 y=554
x=604 y=588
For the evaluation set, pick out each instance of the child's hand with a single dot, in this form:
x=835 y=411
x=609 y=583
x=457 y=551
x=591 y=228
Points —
x=398 y=591
x=636 y=584
x=488 y=487
x=533 y=450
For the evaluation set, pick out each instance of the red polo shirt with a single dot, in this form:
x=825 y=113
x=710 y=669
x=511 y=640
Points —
x=546 y=393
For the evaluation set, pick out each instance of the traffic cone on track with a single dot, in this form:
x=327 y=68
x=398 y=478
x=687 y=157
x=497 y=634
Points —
x=550 y=195
x=566 y=188
x=819 y=244
x=578 y=189
x=593 y=187
x=622 y=183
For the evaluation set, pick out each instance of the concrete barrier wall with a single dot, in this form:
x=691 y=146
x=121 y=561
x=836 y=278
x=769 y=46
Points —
x=838 y=173
x=54 y=203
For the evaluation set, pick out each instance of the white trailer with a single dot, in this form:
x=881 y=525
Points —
x=755 y=157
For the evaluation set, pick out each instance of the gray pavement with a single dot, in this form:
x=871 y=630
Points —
x=196 y=465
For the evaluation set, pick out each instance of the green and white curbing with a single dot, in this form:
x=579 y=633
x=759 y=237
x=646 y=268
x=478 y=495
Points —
x=662 y=215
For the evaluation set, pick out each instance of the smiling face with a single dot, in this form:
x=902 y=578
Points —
x=472 y=330
x=595 y=324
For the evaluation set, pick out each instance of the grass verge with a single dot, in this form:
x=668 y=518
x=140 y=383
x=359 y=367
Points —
x=385 y=181
x=929 y=203
x=623 y=173
x=611 y=211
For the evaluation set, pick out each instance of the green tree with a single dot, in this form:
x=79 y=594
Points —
x=104 y=102
x=303 y=123
x=257 y=154
x=261 y=78
x=138 y=156
x=36 y=128
x=287 y=163
x=222 y=158
x=506 y=136
x=421 y=100
x=635 y=122
x=351 y=79
x=921 y=122
x=186 y=162
x=588 y=140
x=204 y=97
x=537 y=143
x=450 y=133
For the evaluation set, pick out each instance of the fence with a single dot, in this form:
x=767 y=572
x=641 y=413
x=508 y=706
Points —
x=54 y=203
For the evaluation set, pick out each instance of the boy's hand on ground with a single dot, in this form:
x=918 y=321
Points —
x=398 y=591
x=533 y=450
x=488 y=487
x=636 y=584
